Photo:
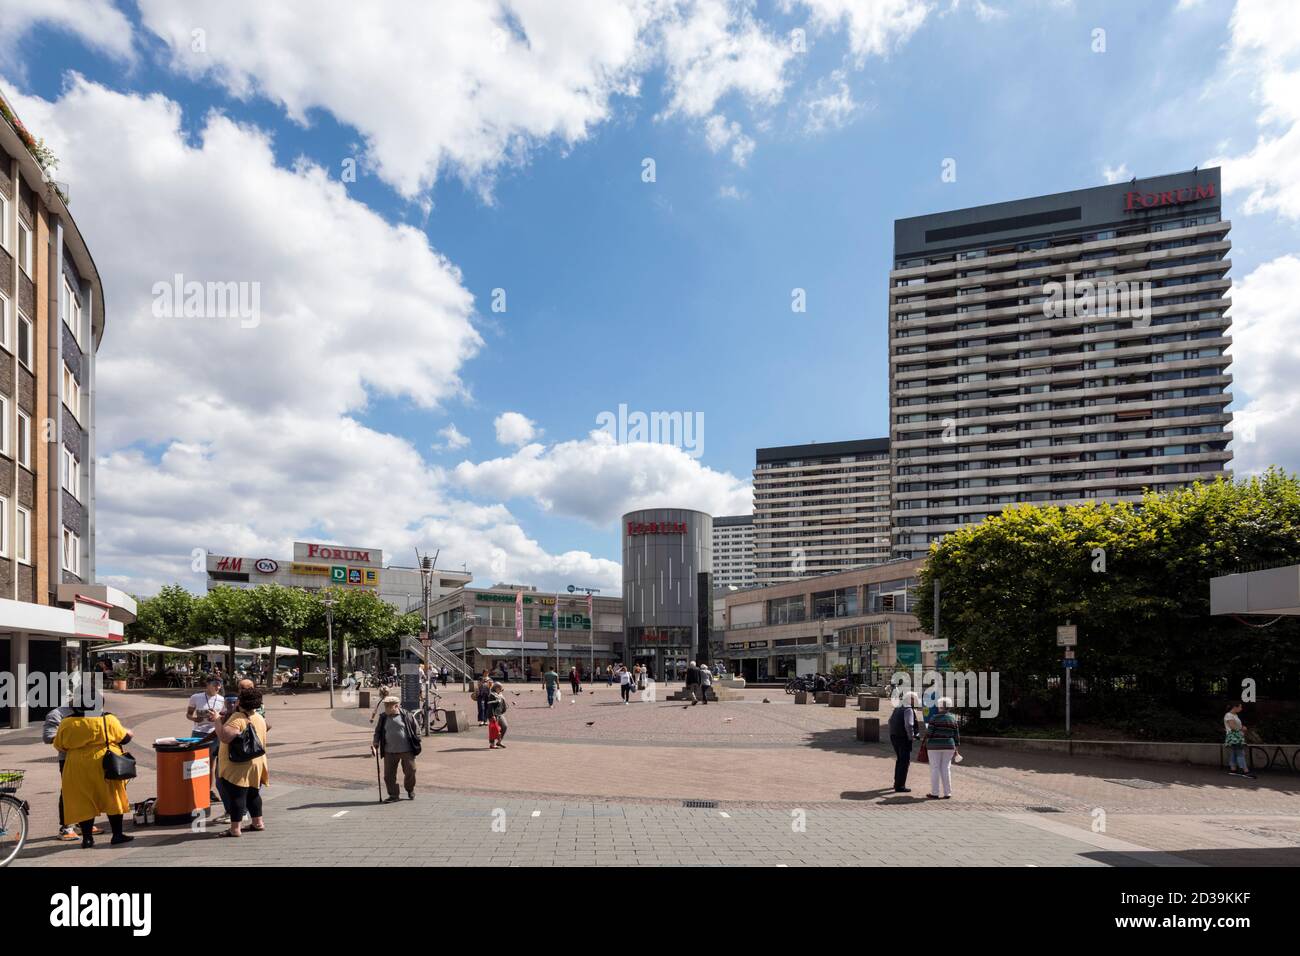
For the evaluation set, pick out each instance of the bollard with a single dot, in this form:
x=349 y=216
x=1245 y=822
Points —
x=868 y=730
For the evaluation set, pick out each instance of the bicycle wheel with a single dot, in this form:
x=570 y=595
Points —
x=438 y=720
x=13 y=828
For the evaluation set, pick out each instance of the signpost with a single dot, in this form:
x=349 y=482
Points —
x=1067 y=636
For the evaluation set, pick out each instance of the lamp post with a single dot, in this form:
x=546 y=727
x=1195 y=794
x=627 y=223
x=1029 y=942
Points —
x=329 y=600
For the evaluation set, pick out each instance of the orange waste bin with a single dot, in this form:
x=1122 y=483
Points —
x=184 y=781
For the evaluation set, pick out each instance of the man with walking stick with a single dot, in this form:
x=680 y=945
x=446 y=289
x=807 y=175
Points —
x=397 y=740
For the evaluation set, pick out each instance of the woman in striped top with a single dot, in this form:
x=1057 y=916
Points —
x=943 y=734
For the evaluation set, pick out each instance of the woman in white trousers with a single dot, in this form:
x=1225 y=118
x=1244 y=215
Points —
x=943 y=734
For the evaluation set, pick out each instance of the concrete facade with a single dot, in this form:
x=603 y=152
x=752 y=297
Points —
x=667 y=594
x=996 y=399
x=733 y=551
x=820 y=508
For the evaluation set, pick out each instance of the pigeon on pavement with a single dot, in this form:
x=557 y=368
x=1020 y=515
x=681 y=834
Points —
x=591 y=723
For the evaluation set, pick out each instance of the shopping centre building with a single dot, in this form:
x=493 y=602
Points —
x=315 y=566
x=667 y=587
x=480 y=627
x=51 y=325
x=860 y=618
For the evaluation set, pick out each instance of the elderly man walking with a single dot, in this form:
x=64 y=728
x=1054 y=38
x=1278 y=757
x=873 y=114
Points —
x=397 y=740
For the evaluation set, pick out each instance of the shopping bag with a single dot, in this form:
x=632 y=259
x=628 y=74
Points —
x=494 y=730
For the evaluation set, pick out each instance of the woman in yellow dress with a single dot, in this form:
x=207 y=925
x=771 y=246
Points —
x=240 y=782
x=85 y=739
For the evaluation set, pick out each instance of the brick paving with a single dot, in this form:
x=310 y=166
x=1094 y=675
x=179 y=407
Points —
x=614 y=791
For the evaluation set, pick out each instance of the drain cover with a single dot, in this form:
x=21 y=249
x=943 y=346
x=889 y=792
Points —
x=1044 y=809
x=701 y=804
x=1137 y=784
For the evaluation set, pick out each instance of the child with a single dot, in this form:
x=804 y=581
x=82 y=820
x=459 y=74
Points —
x=497 y=725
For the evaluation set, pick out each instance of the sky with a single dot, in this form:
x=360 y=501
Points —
x=472 y=230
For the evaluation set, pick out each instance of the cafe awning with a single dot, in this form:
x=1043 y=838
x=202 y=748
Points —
x=141 y=647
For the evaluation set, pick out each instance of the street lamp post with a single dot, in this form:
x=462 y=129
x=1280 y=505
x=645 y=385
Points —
x=329 y=601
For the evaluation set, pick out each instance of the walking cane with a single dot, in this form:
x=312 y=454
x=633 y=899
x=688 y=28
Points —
x=378 y=783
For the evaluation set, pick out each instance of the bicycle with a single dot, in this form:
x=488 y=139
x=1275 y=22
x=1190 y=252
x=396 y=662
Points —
x=13 y=816
x=437 y=716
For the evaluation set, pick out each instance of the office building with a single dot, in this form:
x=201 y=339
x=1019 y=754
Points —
x=1056 y=350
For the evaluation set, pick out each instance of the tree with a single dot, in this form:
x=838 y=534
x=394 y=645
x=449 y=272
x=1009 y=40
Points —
x=274 y=612
x=223 y=613
x=165 y=618
x=1134 y=579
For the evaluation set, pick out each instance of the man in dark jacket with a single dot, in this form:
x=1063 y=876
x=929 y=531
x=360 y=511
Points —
x=903 y=729
x=695 y=684
x=397 y=740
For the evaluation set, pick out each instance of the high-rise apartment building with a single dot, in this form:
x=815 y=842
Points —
x=733 y=551
x=820 y=508
x=1058 y=349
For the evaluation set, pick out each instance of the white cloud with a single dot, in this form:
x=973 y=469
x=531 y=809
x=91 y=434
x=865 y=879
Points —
x=96 y=22
x=241 y=439
x=831 y=105
x=876 y=27
x=514 y=428
x=454 y=437
x=1265 y=46
x=1116 y=174
x=597 y=479
x=1265 y=355
x=459 y=85
x=719 y=133
x=712 y=48
x=731 y=192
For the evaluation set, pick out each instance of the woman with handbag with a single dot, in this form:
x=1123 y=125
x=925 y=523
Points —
x=95 y=772
x=943 y=735
x=242 y=734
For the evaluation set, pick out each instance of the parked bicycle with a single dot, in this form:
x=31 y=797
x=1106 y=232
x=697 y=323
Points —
x=437 y=716
x=799 y=683
x=13 y=816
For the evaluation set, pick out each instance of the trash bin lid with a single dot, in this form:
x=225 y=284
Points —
x=178 y=744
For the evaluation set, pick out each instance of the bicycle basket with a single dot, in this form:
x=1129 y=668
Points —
x=11 y=780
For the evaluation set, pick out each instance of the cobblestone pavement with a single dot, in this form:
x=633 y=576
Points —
x=607 y=781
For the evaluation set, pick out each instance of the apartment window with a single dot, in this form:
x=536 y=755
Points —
x=24 y=340
x=4 y=321
x=25 y=248
x=72 y=312
x=4 y=222
x=71 y=552
x=4 y=426
x=71 y=474
x=4 y=521
x=24 y=450
x=24 y=536
x=71 y=393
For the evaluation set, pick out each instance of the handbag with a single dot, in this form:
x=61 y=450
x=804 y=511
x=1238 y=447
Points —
x=923 y=755
x=246 y=746
x=117 y=766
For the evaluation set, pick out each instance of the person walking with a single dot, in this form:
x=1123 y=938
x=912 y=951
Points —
x=706 y=683
x=1234 y=738
x=497 y=725
x=903 y=730
x=50 y=730
x=481 y=697
x=84 y=739
x=552 y=681
x=445 y=675
x=624 y=683
x=397 y=740
x=241 y=780
x=575 y=680
x=693 y=682
x=943 y=735
x=384 y=691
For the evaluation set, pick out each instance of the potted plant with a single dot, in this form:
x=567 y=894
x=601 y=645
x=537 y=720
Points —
x=120 y=674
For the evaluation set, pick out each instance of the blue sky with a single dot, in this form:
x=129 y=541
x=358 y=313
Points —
x=670 y=295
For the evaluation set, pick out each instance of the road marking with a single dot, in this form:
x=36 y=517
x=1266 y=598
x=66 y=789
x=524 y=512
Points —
x=723 y=813
x=537 y=813
x=339 y=814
